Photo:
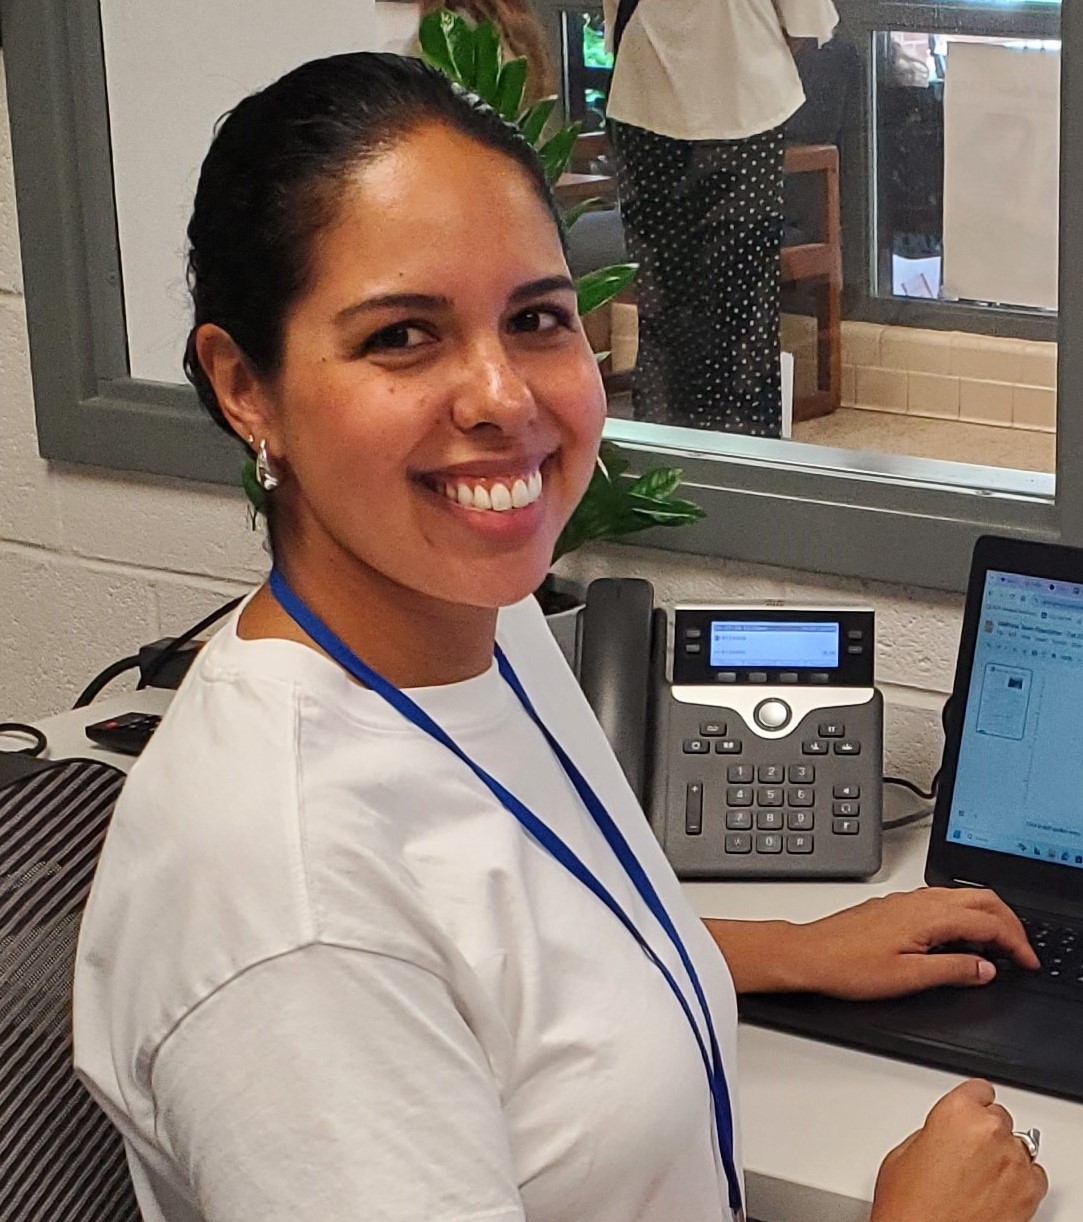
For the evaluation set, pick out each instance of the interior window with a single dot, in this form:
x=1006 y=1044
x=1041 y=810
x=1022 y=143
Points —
x=939 y=338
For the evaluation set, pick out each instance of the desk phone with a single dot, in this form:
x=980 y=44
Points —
x=753 y=735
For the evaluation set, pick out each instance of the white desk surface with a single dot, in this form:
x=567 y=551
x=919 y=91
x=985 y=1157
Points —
x=815 y=1120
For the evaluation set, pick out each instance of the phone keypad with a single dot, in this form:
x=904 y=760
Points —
x=802 y=804
x=784 y=818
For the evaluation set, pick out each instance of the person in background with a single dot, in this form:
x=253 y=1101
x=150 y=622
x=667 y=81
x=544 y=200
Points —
x=521 y=34
x=699 y=93
x=379 y=930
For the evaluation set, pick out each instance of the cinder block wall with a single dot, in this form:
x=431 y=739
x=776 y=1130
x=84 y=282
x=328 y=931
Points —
x=92 y=563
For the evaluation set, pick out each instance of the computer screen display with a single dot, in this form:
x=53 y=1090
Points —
x=738 y=643
x=1019 y=780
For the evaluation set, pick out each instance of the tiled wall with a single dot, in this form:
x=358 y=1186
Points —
x=950 y=375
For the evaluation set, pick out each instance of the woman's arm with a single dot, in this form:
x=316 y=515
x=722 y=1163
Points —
x=334 y=1084
x=877 y=949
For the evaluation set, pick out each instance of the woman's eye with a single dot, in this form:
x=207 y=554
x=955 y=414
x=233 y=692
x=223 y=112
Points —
x=401 y=337
x=538 y=319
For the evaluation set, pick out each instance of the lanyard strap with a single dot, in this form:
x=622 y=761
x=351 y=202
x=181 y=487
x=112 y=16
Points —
x=554 y=845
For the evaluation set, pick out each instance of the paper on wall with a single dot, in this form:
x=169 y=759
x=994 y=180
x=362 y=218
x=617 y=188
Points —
x=1001 y=174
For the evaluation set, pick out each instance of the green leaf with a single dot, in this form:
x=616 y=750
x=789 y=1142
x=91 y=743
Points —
x=509 y=91
x=433 y=37
x=573 y=214
x=556 y=152
x=659 y=482
x=535 y=119
x=597 y=287
x=486 y=62
x=461 y=41
x=613 y=462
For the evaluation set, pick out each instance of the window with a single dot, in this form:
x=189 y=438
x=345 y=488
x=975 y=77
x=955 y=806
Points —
x=829 y=507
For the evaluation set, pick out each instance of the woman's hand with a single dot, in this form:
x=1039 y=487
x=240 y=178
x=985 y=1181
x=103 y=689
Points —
x=964 y=1165
x=881 y=947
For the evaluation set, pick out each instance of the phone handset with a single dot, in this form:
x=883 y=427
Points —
x=618 y=654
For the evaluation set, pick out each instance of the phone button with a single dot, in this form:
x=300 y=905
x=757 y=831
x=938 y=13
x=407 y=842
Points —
x=696 y=746
x=845 y=791
x=728 y=746
x=788 y=676
x=814 y=746
x=846 y=809
x=799 y=844
x=801 y=820
x=757 y=676
x=845 y=827
x=738 y=820
x=712 y=729
x=772 y=714
x=693 y=808
x=738 y=842
x=769 y=842
x=739 y=774
x=726 y=676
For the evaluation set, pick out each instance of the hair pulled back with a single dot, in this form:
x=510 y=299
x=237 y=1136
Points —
x=274 y=175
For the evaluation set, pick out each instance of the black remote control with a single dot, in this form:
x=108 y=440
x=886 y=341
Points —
x=127 y=733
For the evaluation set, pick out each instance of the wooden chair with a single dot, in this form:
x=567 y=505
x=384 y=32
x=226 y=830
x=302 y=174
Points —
x=817 y=265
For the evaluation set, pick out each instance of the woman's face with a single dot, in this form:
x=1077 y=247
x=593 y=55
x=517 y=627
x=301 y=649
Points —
x=437 y=411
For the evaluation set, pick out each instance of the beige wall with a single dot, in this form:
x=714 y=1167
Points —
x=92 y=564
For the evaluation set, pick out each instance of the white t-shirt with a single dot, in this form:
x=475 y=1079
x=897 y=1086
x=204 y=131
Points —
x=712 y=69
x=323 y=974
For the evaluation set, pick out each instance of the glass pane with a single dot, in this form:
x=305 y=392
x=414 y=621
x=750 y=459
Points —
x=925 y=161
x=967 y=136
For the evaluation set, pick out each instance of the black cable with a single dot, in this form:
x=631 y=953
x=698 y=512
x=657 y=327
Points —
x=104 y=679
x=929 y=795
x=38 y=741
x=178 y=643
x=916 y=816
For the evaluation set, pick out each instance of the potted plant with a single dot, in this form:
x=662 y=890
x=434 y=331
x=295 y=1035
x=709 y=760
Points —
x=617 y=501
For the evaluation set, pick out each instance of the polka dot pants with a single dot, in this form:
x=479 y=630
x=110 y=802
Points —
x=703 y=219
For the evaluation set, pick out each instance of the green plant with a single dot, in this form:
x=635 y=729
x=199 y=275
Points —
x=616 y=502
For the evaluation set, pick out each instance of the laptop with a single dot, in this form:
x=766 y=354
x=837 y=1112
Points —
x=1008 y=815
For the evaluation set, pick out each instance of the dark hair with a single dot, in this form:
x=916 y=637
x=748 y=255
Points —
x=273 y=177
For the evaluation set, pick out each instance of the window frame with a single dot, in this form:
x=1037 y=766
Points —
x=771 y=502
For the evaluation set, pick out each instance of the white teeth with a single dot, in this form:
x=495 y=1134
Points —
x=501 y=497
x=497 y=496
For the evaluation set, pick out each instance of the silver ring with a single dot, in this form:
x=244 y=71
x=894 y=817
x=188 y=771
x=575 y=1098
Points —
x=1031 y=1139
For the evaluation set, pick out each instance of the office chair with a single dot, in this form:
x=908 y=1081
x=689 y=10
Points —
x=60 y=1158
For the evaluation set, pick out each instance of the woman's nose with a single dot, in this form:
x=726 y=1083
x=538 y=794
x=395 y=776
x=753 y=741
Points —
x=493 y=390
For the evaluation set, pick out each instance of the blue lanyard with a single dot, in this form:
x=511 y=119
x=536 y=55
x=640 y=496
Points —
x=552 y=843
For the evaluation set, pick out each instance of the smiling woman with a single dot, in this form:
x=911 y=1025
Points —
x=377 y=900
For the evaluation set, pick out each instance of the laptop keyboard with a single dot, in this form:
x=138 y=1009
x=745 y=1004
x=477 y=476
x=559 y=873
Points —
x=1060 y=950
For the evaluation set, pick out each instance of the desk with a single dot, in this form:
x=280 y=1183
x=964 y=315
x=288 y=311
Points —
x=816 y=1120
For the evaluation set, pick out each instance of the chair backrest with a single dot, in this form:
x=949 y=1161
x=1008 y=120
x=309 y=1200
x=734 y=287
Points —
x=60 y=1158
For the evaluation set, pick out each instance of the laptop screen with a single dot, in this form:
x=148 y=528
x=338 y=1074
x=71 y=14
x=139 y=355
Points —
x=1019 y=779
